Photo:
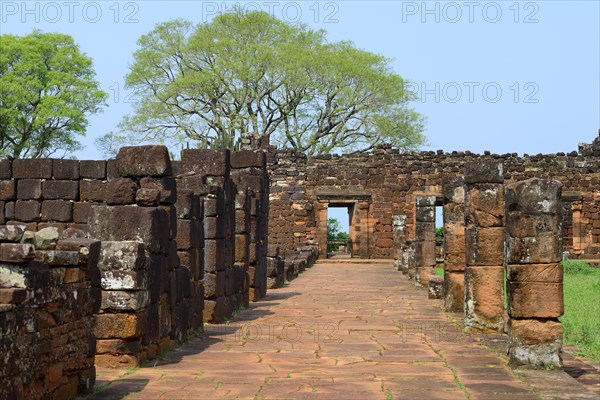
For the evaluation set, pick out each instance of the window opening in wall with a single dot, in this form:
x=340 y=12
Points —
x=338 y=232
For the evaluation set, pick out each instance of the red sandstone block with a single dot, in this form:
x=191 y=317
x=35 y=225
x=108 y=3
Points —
x=185 y=204
x=484 y=246
x=89 y=169
x=214 y=258
x=122 y=255
x=148 y=224
x=63 y=190
x=454 y=214
x=211 y=162
x=27 y=211
x=121 y=300
x=484 y=172
x=147 y=197
x=29 y=189
x=534 y=196
x=81 y=211
x=544 y=273
x=121 y=191
x=242 y=221
x=535 y=299
x=65 y=169
x=57 y=210
x=58 y=258
x=167 y=187
x=92 y=190
x=484 y=291
x=425 y=214
x=119 y=326
x=6 y=167
x=484 y=205
x=214 y=206
x=143 y=161
x=171 y=212
x=88 y=249
x=187 y=234
x=454 y=290
x=241 y=248
x=214 y=227
x=535 y=331
x=35 y=168
x=8 y=190
x=124 y=280
x=545 y=248
x=248 y=158
x=521 y=225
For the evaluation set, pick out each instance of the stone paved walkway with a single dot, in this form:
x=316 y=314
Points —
x=347 y=330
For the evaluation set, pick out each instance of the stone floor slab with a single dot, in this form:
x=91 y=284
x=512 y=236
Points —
x=341 y=330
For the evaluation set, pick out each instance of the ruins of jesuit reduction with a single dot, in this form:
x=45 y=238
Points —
x=108 y=263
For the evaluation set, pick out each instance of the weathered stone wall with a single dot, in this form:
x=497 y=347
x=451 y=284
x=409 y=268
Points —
x=390 y=181
x=49 y=292
x=147 y=300
x=167 y=230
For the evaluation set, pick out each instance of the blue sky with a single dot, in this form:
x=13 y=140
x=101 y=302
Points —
x=505 y=76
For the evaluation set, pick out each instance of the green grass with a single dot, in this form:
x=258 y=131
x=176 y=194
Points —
x=581 y=320
x=439 y=271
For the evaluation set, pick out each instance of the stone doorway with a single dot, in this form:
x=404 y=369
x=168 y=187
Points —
x=358 y=209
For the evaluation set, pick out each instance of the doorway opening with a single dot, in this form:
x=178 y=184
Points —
x=339 y=221
x=439 y=239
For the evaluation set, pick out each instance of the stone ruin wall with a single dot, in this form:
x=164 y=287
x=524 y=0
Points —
x=113 y=262
x=393 y=180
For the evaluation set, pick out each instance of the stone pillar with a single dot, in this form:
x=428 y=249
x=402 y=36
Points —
x=249 y=174
x=425 y=239
x=399 y=227
x=190 y=249
x=145 y=292
x=409 y=263
x=454 y=243
x=207 y=172
x=535 y=275
x=484 y=245
x=360 y=244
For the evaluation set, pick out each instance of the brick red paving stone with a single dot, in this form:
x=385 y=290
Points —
x=339 y=331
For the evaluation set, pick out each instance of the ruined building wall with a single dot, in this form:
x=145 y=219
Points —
x=390 y=181
x=165 y=234
x=49 y=293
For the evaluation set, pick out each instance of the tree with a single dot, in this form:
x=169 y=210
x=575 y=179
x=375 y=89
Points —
x=47 y=90
x=248 y=73
x=334 y=232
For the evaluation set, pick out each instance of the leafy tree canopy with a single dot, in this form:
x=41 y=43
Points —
x=47 y=91
x=250 y=74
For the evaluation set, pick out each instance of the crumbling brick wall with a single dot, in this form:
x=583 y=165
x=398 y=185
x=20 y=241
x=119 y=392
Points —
x=49 y=292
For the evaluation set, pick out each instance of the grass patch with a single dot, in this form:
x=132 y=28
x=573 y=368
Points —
x=581 y=321
x=439 y=271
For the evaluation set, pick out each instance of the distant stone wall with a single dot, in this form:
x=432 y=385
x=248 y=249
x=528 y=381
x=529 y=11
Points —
x=391 y=180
